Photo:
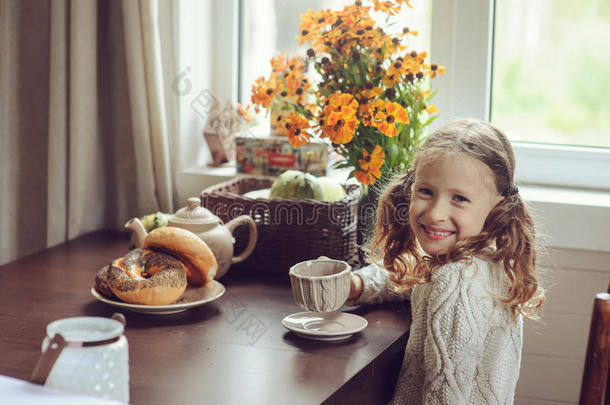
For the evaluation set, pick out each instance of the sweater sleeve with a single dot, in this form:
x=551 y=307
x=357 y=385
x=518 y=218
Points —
x=377 y=286
x=454 y=335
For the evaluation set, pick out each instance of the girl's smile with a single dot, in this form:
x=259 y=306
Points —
x=452 y=196
x=436 y=233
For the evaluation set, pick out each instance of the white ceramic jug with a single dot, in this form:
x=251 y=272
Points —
x=86 y=355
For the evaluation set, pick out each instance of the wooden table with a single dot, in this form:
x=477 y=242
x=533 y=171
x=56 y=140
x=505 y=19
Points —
x=229 y=351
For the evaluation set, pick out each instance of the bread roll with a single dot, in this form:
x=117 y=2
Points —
x=197 y=257
x=147 y=277
x=101 y=283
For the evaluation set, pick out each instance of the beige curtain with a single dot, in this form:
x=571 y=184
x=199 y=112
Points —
x=86 y=118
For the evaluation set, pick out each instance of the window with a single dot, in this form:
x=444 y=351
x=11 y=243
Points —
x=462 y=35
x=550 y=78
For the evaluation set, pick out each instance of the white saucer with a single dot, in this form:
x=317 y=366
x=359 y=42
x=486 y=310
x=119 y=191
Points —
x=192 y=297
x=324 y=325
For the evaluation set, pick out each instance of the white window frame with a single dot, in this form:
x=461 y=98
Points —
x=462 y=30
x=207 y=60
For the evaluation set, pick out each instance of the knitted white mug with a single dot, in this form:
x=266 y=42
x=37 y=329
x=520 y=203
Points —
x=320 y=285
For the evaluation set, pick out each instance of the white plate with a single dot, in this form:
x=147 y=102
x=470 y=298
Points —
x=192 y=297
x=254 y=194
x=324 y=325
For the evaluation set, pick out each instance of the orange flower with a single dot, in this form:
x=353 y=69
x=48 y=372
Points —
x=390 y=79
x=399 y=67
x=312 y=23
x=343 y=101
x=312 y=109
x=369 y=110
x=288 y=75
x=339 y=117
x=387 y=7
x=278 y=63
x=398 y=112
x=365 y=177
x=341 y=126
x=414 y=61
x=406 y=31
x=395 y=72
x=262 y=93
x=244 y=113
x=434 y=69
x=372 y=163
x=432 y=109
x=295 y=126
x=370 y=91
x=366 y=115
x=386 y=121
x=421 y=94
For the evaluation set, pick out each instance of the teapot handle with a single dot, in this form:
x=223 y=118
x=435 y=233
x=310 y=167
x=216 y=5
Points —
x=244 y=220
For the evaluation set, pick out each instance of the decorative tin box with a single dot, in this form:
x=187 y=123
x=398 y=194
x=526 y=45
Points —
x=270 y=156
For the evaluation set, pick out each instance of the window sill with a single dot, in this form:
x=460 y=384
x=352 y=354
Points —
x=570 y=218
x=197 y=178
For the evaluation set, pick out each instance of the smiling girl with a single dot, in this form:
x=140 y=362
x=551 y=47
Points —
x=455 y=234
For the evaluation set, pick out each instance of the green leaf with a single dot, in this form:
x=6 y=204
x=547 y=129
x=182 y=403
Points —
x=342 y=164
x=430 y=120
x=393 y=154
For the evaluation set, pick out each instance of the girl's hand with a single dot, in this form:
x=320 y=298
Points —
x=355 y=287
x=355 y=284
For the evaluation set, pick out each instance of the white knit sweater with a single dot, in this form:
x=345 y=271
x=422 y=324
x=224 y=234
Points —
x=463 y=346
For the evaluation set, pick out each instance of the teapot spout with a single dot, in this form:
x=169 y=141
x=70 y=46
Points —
x=138 y=230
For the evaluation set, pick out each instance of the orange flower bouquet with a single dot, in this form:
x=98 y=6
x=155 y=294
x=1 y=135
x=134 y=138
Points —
x=370 y=98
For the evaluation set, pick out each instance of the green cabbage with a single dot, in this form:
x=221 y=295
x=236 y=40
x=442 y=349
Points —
x=298 y=185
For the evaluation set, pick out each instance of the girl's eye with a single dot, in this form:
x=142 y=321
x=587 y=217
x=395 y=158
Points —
x=424 y=191
x=460 y=198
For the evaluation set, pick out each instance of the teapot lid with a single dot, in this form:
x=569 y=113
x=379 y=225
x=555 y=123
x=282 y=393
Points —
x=194 y=214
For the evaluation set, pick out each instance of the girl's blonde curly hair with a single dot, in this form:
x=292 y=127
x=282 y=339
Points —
x=508 y=234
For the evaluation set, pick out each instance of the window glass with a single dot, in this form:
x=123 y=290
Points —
x=269 y=27
x=551 y=72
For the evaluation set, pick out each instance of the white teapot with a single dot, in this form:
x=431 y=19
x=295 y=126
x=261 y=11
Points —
x=218 y=236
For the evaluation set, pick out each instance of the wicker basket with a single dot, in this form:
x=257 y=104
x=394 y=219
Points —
x=289 y=231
